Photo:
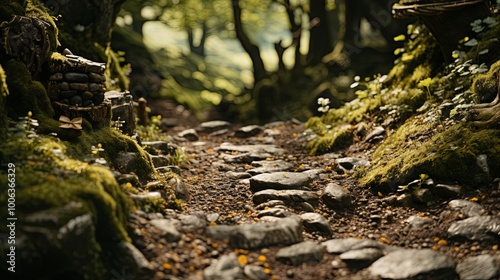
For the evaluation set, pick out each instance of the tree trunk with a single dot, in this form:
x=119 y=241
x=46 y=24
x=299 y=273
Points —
x=252 y=49
x=198 y=49
x=320 y=42
x=296 y=30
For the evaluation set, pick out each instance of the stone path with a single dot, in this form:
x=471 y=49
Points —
x=259 y=207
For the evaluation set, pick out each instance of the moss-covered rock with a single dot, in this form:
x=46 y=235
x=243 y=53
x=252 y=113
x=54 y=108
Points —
x=448 y=155
x=69 y=209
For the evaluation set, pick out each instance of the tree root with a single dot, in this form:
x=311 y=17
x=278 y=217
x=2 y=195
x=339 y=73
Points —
x=488 y=114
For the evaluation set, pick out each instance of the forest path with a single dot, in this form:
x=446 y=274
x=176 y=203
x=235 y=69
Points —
x=261 y=207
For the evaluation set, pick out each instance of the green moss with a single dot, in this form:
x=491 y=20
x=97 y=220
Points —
x=449 y=155
x=113 y=142
x=46 y=178
x=337 y=138
x=485 y=86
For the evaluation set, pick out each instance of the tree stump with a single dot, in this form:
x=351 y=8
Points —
x=448 y=21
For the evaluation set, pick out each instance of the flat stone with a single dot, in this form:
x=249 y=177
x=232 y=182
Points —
x=76 y=77
x=79 y=86
x=274 y=212
x=377 y=131
x=246 y=157
x=279 y=181
x=336 y=197
x=448 y=191
x=315 y=222
x=189 y=134
x=307 y=251
x=226 y=267
x=350 y=163
x=339 y=246
x=413 y=264
x=269 y=166
x=212 y=126
x=272 y=149
x=167 y=229
x=418 y=222
x=361 y=257
x=467 y=208
x=252 y=236
x=476 y=228
x=289 y=197
x=248 y=131
x=160 y=160
x=479 y=267
x=96 y=78
x=238 y=175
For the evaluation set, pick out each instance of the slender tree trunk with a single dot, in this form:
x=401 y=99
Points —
x=296 y=30
x=198 y=49
x=320 y=41
x=252 y=49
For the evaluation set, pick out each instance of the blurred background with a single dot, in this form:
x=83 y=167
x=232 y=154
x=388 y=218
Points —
x=251 y=61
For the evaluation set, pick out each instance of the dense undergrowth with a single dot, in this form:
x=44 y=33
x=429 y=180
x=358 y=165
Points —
x=425 y=109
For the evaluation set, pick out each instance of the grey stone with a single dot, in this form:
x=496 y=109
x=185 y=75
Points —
x=130 y=257
x=479 y=267
x=272 y=149
x=238 y=175
x=251 y=236
x=181 y=190
x=248 y=131
x=160 y=160
x=79 y=86
x=467 y=208
x=279 y=181
x=307 y=251
x=225 y=268
x=167 y=229
x=350 y=163
x=254 y=272
x=220 y=232
x=361 y=257
x=76 y=77
x=146 y=196
x=270 y=204
x=448 y=191
x=413 y=264
x=127 y=178
x=418 y=222
x=289 y=197
x=422 y=195
x=313 y=173
x=189 y=134
x=213 y=126
x=377 y=131
x=315 y=222
x=339 y=246
x=246 y=157
x=268 y=166
x=336 y=197
x=193 y=222
x=212 y=217
x=476 y=228
x=275 y=212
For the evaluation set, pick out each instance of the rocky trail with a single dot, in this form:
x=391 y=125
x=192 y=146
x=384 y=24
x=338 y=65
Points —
x=260 y=207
